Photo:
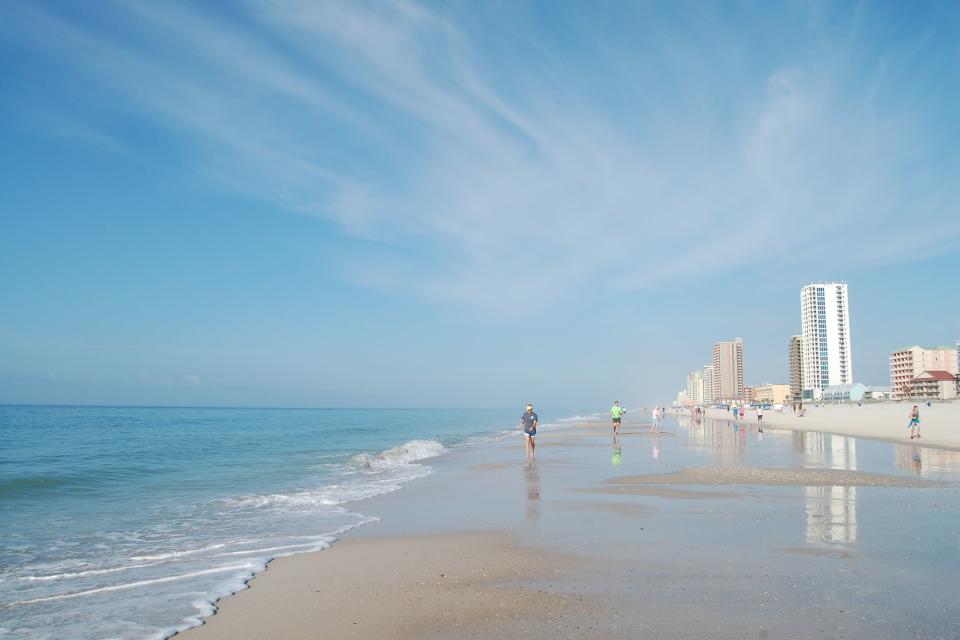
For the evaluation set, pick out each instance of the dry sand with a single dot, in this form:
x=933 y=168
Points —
x=940 y=424
x=451 y=585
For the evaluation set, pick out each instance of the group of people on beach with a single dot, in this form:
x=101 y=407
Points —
x=617 y=411
x=529 y=421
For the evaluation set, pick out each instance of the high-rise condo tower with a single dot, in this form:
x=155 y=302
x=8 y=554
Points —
x=827 y=355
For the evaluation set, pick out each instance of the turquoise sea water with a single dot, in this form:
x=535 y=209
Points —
x=128 y=522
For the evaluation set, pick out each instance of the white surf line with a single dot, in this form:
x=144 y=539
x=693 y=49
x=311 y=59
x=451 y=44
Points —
x=177 y=554
x=321 y=544
x=91 y=572
x=131 y=585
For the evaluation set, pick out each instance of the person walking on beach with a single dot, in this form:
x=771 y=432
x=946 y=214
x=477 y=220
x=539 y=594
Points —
x=760 y=418
x=914 y=425
x=655 y=422
x=528 y=422
x=616 y=412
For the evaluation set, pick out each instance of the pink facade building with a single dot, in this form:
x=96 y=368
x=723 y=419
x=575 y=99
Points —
x=907 y=364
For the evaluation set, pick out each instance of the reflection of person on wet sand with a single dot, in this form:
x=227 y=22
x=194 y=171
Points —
x=532 y=478
x=917 y=461
x=617 y=452
x=656 y=445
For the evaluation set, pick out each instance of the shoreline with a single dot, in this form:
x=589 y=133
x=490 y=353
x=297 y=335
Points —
x=572 y=543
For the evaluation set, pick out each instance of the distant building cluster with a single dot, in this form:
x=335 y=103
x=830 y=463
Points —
x=820 y=364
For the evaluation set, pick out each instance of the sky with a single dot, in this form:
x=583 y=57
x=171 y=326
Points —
x=464 y=204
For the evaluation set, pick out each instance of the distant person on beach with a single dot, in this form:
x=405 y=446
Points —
x=655 y=419
x=616 y=412
x=528 y=422
x=760 y=418
x=914 y=425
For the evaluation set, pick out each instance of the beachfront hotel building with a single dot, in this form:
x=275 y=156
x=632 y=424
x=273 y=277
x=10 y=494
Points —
x=934 y=385
x=907 y=364
x=728 y=370
x=773 y=393
x=825 y=321
x=795 y=352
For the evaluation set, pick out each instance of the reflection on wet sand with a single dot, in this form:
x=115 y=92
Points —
x=831 y=511
x=617 y=452
x=532 y=477
x=727 y=439
x=831 y=514
x=927 y=462
x=826 y=450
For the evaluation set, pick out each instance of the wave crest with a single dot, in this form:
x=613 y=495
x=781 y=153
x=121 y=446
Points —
x=404 y=454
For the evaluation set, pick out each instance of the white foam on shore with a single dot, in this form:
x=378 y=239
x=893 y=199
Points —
x=84 y=574
x=177 y=554
x=157 y=574
x=133 y=585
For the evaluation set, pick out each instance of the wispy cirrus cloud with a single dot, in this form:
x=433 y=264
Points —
x=492 y=165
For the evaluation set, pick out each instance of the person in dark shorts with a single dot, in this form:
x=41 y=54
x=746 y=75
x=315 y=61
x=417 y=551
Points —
x=528 y=422
x=616 y=412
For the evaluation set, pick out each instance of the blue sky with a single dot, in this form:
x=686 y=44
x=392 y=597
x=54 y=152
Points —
x=463 y=204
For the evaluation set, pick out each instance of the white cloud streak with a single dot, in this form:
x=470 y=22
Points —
x=394 y=121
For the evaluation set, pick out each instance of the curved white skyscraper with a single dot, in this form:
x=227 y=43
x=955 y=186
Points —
x=825 y=318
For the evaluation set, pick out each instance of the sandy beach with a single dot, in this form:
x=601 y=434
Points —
x=940 y=423
x=701 y=531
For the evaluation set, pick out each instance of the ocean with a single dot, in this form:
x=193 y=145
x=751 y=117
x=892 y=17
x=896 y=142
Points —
x=129 y=522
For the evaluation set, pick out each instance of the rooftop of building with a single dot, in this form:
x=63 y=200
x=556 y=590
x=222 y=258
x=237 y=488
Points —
x=936 y=375
x=938 y=347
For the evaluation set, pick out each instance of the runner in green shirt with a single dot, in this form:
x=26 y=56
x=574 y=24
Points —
x=616 y=411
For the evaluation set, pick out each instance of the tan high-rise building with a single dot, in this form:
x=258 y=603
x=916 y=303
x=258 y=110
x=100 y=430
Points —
x=907 y=364
x=795 y=350
x=728 y=370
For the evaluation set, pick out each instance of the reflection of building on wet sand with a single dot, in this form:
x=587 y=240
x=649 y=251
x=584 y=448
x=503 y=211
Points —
x=826 y=450
x=927 y=462
x=831 y=514
x=831 y=511
x=726 y=439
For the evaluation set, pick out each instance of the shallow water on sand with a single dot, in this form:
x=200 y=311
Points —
x=712 y=529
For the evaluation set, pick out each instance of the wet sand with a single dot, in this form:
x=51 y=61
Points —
x=700 y=532
x=768 y=476
x=464 y=584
